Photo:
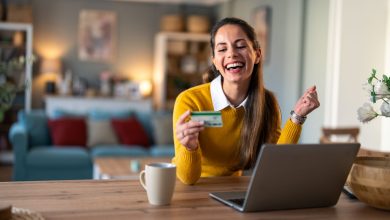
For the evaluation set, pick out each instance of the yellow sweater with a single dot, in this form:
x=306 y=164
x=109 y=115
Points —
x=218 y=147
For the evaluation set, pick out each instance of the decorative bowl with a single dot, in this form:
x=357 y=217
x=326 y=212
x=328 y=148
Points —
x=369 y=180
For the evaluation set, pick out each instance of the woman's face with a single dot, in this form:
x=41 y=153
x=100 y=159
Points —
x=234 y=55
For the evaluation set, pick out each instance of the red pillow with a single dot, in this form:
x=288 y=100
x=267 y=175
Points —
x=68 y=131
x=130 y=132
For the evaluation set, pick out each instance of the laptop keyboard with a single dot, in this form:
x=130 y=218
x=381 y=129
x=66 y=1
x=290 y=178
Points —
x=239 y=202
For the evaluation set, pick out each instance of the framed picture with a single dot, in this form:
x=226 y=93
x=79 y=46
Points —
x=97 y=35
x=261 y=20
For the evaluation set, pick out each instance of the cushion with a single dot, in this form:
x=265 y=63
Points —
x=68 y=131
x=64 y=157
x=163 y=130
x=100 y=132
x=97 y=114
x=130 y=132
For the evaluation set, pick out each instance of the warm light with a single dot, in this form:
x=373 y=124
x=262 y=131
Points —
x=145 y=88
x=51 y=66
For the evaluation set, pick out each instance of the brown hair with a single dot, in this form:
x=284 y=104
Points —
x=262 y=117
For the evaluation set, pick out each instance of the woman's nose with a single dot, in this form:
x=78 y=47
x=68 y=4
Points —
x=231 y=52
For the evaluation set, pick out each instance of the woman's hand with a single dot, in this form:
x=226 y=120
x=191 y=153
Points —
x=188 y=132
x=307 y=103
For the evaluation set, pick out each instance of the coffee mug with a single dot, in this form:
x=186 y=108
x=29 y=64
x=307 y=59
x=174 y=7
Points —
x=158 y=179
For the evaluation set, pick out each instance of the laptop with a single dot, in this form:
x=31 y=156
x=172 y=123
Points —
x=294 y=176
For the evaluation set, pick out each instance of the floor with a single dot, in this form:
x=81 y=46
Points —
x=6 y=161
x=5 y=173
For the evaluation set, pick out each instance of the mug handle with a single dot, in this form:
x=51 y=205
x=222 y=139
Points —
x=142 y=178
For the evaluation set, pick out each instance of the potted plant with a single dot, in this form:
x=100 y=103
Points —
x=379 y=89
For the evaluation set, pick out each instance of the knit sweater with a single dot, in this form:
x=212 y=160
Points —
x=218 y=146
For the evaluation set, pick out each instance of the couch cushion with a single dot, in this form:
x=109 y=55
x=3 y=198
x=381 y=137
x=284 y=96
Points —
x=130 y=132
x=35 y=122
x=101 y=132
x=68 y=131
x=125 y=151
x=55 y=157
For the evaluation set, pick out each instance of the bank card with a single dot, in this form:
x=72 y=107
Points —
x=210 y=118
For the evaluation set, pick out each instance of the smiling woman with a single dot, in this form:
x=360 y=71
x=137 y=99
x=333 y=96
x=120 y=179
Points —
x=250 y=113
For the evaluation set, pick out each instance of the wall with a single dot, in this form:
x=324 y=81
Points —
x=357 y=43
x=56 y=30
x=315 y=40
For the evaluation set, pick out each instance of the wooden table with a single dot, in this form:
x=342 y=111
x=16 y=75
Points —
x=126 y=199
x=122 y=167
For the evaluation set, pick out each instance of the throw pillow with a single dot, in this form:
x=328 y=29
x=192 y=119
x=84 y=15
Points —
x=163 y=131
x=100 y=132
x=130 y=132
x=68 y=131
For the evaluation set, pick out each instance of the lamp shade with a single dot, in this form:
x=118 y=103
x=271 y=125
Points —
x=51 y=66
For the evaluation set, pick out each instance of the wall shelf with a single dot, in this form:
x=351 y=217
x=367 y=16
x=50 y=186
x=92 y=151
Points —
x=179 y=63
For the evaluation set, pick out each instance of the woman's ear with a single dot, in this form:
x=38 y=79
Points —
x=258 y=56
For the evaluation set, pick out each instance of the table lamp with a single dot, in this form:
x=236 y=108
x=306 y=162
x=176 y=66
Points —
x=51 y=68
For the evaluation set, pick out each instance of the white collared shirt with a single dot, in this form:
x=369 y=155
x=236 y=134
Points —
x=218 y=97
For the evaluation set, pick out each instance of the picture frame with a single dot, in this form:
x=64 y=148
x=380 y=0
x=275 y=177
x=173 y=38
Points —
x=97 y=35
x=261 y=21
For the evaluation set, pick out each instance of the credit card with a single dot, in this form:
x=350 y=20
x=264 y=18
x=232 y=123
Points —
x=210 y=118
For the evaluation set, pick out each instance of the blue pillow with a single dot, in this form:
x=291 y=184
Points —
x=96 y=114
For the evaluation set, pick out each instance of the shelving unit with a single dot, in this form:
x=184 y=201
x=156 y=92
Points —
x=9 y=50
x=16 y=41
x=179 y=63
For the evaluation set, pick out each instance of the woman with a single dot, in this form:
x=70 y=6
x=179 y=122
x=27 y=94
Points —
x=250 y=113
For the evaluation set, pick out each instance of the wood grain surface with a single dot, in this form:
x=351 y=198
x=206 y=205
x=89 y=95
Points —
x=126 y=199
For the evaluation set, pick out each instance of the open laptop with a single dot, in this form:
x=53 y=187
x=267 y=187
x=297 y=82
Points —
x=294 y=176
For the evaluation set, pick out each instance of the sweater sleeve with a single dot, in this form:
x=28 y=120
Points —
x=290 y=133
x=188 y=163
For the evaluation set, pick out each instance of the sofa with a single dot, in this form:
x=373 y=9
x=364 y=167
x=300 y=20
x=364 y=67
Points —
x=50 y=148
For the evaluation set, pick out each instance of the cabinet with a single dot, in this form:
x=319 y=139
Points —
x=179 y=63
x=16 y=42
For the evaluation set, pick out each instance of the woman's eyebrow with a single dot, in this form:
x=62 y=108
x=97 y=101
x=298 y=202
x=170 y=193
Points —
x=236 y=41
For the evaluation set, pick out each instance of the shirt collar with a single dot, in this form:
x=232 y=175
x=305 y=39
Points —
x=218 y=96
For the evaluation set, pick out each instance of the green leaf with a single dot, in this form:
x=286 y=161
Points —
x=374 y=71
x=370 y=80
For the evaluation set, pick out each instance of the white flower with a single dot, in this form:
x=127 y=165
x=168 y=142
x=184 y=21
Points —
x=381 y=89
x=366 y=113
x=385 y=109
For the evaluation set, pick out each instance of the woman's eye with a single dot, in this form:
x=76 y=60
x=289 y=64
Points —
x=221 y=50
x=241 y=47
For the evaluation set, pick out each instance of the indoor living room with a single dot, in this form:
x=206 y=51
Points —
x=154 y=50
x=94 y=83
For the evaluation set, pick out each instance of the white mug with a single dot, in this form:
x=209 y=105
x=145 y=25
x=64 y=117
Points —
x=158 y=179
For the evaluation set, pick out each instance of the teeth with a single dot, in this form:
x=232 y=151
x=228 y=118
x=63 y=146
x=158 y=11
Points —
x=233 y=65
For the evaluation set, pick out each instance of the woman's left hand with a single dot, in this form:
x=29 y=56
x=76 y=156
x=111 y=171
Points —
x=307 y=103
